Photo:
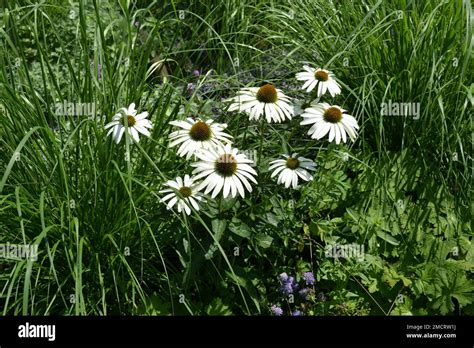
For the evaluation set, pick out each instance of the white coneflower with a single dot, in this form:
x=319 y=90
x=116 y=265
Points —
x=224 y=169
x=330 y=118
x=188 y=194
x=136 y=124
x=197 y=134
x=320 y=78
x=266 y=100
x=292 y=167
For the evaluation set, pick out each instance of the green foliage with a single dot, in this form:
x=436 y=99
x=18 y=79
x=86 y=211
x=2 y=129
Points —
x=109 y=246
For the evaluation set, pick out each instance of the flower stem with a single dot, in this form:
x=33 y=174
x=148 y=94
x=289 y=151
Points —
x=219 y=208
x=260 y=146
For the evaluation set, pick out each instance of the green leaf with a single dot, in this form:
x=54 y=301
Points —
x=272 y=219
x=263 y=240
x=240 y=228
x=452 y=283
x=218 y=227
x=216 y=307
x=387 y=237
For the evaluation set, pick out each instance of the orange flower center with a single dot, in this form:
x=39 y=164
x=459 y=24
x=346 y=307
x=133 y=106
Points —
x=332 y=115
x=267 y=94
x=200 y=131
x=321 y=75
x=131 y=120
x=185 y=191
x=226 y=165
x=292 y=163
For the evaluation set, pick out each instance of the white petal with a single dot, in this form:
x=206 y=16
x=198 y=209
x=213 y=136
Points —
x=338 y=134
x=244 y=181
x=168 y=196
x=226 y=187
x=320 y=88
x=131 y=109
x=322 y=131
x=342 y=131
x=141 y=116
x=312 y=85
x=187 y=209
x=219 y=183
x=295 y=179
x=194 y=203
x=233 y=186
x=120 y=134
x=308 y=83
x=134 y=134
x=332 y=132
x=172 y=202
x=239 y=186
x=325 y=87
x=142 y=130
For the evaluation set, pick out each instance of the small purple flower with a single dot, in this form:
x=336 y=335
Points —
x=296 y=313
x=294 y=285
x=136 y=24
x=276 y=310
x=288 y=284
x=286 y=288
x=196 y=73
x=308 y=278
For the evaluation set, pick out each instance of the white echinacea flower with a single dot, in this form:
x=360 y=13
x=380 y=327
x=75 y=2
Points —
x=197 y=134
x=291 y=168
x=330 y=119
x=320 y=78
x=265 y=100
x=127 y=118
x=188 y=195
x=224 y=169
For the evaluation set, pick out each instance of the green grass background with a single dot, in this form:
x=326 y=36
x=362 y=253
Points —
x=107 y=246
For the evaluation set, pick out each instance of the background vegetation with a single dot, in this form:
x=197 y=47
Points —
x=107 y=246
